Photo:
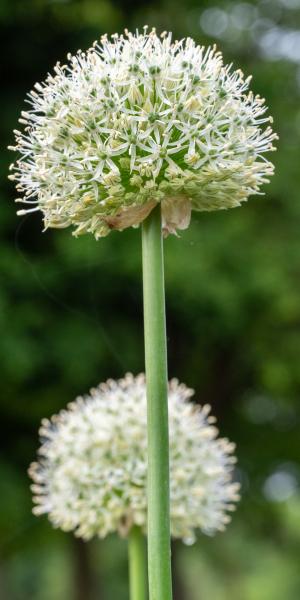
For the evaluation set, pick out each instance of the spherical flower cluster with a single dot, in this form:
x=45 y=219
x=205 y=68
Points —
x=92 y=471
x=135 y=121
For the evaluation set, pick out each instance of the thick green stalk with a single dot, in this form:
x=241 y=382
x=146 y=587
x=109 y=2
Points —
x=159 y=553
x=137 y=564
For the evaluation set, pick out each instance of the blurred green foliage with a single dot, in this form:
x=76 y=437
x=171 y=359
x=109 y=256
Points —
x=71 y=316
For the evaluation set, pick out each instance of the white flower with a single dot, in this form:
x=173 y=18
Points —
x=91 y=476
x=165 y=118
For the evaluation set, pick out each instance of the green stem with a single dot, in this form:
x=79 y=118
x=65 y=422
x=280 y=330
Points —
x=137 y=564
x=159 y=553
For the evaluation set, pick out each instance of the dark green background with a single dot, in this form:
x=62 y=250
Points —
x=71 y=316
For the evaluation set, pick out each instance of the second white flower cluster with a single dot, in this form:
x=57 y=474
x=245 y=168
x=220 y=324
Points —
x=91 y=476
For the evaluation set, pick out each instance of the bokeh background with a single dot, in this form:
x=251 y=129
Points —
x=71 y=316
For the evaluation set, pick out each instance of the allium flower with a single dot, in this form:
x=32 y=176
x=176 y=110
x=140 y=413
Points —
x=138 y=120
x=91 y=475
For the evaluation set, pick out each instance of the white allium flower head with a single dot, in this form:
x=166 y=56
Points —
x=135 y=120
x=91 y=477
